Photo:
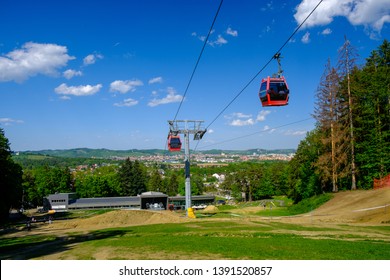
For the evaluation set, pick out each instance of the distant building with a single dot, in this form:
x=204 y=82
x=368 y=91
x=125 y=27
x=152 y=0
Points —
x=61 y=202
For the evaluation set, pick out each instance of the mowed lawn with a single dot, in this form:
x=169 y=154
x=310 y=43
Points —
x=208 y=239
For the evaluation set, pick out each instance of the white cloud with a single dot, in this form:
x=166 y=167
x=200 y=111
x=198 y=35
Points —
x=306 y=38
x=326 y=31
x=232 y=32
x=241 y=119
x=171 y=97
x=92 y=58
x=77 y=90
x=219 y=41
x=65 y=97
x=70 y=73
x=268 y=129
x=125 y=86
x=241 y=115
x=240 y=122
x=33 y=59
x=126 y=103
x=9 y=121
x=156 y=80
x=369 y=13
x=261 y=116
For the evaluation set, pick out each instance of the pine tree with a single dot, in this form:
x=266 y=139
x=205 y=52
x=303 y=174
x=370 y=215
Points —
x=125 y=174
x=373 y=116
x=347 y=58
x=10 y=179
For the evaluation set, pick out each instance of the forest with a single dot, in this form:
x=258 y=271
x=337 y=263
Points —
x=347 y=150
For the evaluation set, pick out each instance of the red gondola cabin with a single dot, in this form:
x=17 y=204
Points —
x=274 y=92
x=174 y=143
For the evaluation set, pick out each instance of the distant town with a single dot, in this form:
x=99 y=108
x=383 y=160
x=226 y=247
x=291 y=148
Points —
x=211 y=157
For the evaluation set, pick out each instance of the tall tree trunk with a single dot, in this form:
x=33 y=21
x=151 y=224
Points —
x=333 y=145
x=353 y=166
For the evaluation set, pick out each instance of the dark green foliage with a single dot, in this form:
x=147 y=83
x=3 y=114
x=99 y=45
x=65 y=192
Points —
x=101 y=182
x=10 y=180
x=372 y=109
x=303 y=179
x=172 y=183
x=42 y=181
x=132 y=178
x=256 y=180
x=309 y=204
x=155 y=182
x=370 y=96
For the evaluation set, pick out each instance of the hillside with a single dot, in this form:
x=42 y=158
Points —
x=361 y=206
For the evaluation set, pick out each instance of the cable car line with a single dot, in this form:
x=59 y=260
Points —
x=173 y=140
x=197 y=62
x=269 y=61
x=275 y=56
x=258 y=132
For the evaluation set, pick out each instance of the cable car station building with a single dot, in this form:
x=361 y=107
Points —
x=61 y=202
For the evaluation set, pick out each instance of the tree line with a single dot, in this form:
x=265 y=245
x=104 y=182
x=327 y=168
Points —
x=348 y=149
x=350 y=145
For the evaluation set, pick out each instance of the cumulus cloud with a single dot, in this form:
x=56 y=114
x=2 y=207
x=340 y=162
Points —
x=219 y=40
x=33 y=59
x=9 y=121
x=268 y=129
x=326 y=31
x=232 y=32
x=306 y=38
x=91 y=59
x=241 y=119
x=241 y=115
x=261 y=116
x=239 y=122
x=371 y=14
x=126 y=103
x=156 y=80
x=125 y=86
x=77 y=90
x=171 y=97
x=70 y=73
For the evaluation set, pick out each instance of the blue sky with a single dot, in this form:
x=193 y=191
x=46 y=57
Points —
x=110 y=74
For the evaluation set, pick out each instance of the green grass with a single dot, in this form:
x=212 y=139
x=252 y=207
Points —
x=304 y=206
x=235 y=241
x=209 y=239
x=240 y=237
x=309 y=204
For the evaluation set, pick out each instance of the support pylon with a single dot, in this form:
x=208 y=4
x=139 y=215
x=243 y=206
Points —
x=187 y=127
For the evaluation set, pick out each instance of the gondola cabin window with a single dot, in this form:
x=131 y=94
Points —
x=174 y=143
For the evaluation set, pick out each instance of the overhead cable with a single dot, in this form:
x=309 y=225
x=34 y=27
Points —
x=265 y=65
x=199 y=57
x=258 y=132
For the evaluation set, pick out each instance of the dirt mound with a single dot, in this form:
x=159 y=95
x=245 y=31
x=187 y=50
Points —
x=210 y=209
x=360 y=206
x=120 y=218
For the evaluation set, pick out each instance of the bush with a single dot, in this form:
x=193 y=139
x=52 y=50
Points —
x=309 y=204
